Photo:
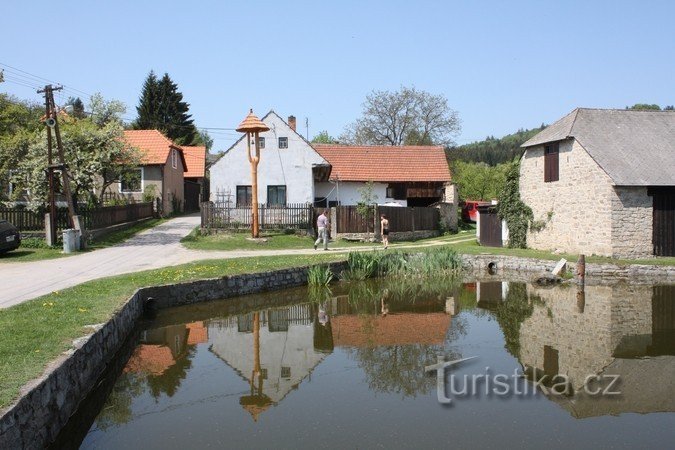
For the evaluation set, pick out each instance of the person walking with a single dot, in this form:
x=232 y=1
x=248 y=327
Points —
x=322 y=225
x=384 y=230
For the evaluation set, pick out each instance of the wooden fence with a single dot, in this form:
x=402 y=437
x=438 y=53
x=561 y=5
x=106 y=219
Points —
x=26 y=220
x=349 y=220
x=223 y=216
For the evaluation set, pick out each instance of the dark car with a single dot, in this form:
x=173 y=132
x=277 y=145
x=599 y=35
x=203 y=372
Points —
x=10 y=238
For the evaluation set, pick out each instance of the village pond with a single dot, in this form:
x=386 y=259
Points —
x=345 y=367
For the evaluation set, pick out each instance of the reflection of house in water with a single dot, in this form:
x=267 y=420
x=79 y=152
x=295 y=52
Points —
x=286 y=351
x=605 y=333
x=160 y=348
x=427 y=325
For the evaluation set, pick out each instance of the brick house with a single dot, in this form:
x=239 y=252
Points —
x=161 y=172
x=603 y=182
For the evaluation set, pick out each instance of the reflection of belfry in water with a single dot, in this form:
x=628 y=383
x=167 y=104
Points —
x=257 y=402
x=272 y=350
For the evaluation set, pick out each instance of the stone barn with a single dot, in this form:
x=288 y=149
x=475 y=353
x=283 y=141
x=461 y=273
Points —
x=603 y=182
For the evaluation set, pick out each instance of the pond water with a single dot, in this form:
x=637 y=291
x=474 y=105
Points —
x=346 y=368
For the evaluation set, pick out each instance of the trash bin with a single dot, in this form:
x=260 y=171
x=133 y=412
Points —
x=71 y=240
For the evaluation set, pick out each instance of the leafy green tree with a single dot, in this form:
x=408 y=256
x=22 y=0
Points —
x=161 y=107
x=324 y=138
x=19 y=125
x=407 y=116
x=205 y=139
x=644 y=107
x=94 y=150
x=478 y=181
x=365 y=205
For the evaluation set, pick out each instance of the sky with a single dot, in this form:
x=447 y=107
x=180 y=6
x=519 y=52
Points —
x=502 y=65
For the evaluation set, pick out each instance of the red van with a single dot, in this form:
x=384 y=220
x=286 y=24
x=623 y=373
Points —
x=470 y=209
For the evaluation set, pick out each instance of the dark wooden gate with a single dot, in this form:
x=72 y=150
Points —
x=663 y=232
x=192 y=193
x=490 y=226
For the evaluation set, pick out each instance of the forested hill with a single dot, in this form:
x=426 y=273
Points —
x=493 y=151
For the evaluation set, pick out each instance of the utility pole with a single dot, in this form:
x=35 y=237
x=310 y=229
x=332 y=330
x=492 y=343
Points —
x=51 y=121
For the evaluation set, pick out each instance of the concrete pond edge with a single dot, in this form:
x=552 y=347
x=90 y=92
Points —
x=46 y=404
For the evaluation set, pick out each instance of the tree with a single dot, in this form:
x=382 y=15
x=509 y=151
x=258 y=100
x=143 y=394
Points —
x=493 y=151
x=478 y=181
x=644 y=107
x=324 y=138
x=365 y=205
x=161 y=107
x=94 y=150
x=513 y=210
x=407 y=116
x=19 y=126
x=205 y=139
x=78 y=107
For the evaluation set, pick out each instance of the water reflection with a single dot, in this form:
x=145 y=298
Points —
x=617 y=330
x=266 y=349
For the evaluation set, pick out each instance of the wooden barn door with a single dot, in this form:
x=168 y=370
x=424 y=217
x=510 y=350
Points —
x=663 y=234
x=490 y=228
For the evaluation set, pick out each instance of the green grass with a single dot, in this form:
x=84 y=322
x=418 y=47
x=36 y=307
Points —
x=27 y=254
x=282 y=241
x=35 y=332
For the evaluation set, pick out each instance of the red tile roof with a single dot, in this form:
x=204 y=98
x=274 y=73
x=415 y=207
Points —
x=394 y=329
x=385 y=163
x=150 y=359
x=154 y=145
x=195 y=157
x=198 y=333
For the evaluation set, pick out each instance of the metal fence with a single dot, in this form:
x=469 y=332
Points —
x=222 y=215
x=95 y=218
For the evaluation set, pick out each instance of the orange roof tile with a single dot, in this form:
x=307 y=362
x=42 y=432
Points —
x=150 y=359
x=154 y=145
x=195 y=157
x=198 y=333
x=394 y=329
x=385 y=163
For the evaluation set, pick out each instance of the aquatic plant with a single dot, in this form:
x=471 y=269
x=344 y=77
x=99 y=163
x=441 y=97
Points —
x=319 y=276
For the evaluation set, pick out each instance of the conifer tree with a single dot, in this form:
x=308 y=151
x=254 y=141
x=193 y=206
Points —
x=161 y=107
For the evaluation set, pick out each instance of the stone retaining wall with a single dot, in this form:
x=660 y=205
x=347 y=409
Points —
x=46 y=404
x=633 y=273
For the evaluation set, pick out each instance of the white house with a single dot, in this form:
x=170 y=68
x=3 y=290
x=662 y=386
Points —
x=286 y=173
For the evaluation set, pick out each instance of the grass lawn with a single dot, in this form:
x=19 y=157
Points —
x=35 y=332
x=472 y=248
x=25 y=254
x=281 y=241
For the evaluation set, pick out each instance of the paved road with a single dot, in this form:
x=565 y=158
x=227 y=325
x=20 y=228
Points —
x=152 y=249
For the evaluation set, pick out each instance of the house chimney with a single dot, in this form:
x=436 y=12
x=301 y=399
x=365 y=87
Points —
x=291 y=122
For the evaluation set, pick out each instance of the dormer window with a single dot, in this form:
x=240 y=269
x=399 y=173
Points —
x=283 y=142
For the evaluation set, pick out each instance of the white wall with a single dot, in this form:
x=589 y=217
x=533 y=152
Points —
x=349 y=194
x=291 y=167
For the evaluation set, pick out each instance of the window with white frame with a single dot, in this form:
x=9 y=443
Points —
x=276 y=195
x=283 y=142
x=261 y=142
x=132 y=181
